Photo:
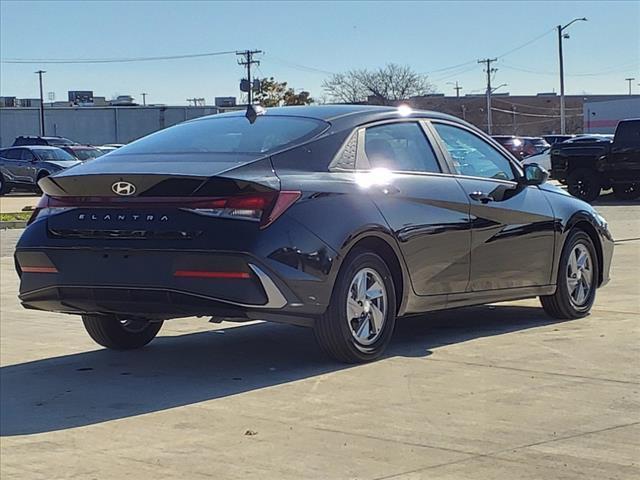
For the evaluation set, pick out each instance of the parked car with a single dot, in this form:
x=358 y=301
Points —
x=340 y=218
x=543 y=159
x=591 y=164
x=106 y=149
x=83 y=152
x=113 y=145
x=23 y=167
x=38 y=140
x=590 y=138
x=522 y=147
x=553 y=139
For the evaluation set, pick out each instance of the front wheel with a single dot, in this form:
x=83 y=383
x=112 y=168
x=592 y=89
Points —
x=359 y=322
x=577 y=279
x=627 y=191
x=118 y=334
x=4 y=186
x=584 y=184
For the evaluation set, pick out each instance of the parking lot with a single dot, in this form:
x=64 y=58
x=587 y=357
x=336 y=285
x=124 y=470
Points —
x=490 y=392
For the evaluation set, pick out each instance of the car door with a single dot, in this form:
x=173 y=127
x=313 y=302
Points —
x=623 y=162
x=14 y=166
x=425 y=207
x=512 y=240
x=29 y=167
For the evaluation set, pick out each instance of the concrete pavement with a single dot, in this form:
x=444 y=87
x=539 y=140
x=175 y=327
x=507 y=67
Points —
x=495 y=392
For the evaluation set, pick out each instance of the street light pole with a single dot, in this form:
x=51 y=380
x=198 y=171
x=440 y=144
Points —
x=144 y=99
x=561 y=35
x=40 y=72
x=631 y=79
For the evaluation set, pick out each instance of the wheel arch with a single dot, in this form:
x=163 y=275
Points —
x=384 y=246
x=583 y=222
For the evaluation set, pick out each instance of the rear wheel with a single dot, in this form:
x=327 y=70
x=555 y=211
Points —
x=4 y=186
x=584 y=184
x=118 y=334
x=359 y=322
x=577 y=279
x=627 y=191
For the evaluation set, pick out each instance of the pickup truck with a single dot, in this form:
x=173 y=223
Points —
x=588 y=167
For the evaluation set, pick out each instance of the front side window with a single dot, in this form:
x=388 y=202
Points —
x=473 y=156
x=233 y=134
x=27 y=155
x=400 y=147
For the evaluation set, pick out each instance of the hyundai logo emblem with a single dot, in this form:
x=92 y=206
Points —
x=123 y=188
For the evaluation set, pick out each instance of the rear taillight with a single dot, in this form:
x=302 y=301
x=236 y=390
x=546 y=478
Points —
x=264 y=207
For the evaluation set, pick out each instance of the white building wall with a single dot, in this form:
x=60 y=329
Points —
x=603 y=117
x=94 y=125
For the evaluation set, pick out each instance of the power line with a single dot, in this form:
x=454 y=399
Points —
x=619 y=68
x=526 y=44
x=115 y=60
x=515 y=112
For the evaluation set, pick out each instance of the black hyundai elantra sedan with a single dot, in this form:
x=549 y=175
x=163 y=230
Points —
x=340 y=218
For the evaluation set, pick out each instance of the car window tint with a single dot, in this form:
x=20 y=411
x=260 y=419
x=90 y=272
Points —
x=13 y=153
x=401 y=147
x=53 y=154
x=27 y=155
x=233 y=134
x=472 y=155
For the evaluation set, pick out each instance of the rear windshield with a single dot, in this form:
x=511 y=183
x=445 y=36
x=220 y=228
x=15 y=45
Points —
x=52 y=154
x=228 y=135
x=59 y=141
x=87 y=153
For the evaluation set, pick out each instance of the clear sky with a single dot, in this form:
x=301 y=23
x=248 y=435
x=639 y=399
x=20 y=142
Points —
x=304 y=40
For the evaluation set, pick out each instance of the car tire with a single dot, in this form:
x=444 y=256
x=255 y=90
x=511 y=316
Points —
x=584 y=184
x=628 y=191
x=116 y=334
x=4 y=186
x=571 y=299
x=359 y=322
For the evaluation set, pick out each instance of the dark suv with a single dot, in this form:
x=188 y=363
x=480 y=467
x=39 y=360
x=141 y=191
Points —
x=38 y=140
x=589 y=165
x=23 y=167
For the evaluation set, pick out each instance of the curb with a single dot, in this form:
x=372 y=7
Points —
x=13 y=224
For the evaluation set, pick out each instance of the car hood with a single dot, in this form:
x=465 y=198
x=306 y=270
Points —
x=549 y=187
x=63 y=163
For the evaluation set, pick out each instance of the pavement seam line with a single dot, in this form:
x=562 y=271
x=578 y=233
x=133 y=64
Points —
x=504 y=450
x=541 y=372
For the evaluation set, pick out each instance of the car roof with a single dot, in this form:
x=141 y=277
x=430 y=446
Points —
x=31 y=147
x=344 y=116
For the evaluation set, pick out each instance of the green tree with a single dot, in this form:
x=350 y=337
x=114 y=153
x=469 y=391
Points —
x=273 y=94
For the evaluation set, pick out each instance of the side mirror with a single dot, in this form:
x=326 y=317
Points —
x=534 y=174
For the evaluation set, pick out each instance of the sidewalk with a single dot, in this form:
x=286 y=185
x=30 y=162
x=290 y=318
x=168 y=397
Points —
x=16 y=202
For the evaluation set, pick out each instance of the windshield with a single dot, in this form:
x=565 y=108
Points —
x=52 y=154
x=87 y=153
x=228 y=135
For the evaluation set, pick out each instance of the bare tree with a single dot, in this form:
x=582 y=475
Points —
x=387 y=85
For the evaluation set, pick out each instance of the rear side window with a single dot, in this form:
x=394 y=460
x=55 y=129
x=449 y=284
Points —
x=27 y=155
x=628 y=133
x=53 y=154
x=12 y=153
x=400 y=147
x=228 y=135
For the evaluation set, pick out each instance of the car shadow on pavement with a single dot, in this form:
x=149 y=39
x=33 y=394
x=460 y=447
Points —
x=98 y=386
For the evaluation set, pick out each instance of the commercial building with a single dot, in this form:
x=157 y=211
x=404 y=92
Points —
x=535 y=114
x=95 y=125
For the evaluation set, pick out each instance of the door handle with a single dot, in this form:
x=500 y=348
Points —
x=481 y=197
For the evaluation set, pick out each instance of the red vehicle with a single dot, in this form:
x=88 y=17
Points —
x=522 y=147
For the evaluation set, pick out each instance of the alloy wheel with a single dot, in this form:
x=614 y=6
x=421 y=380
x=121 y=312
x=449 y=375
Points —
x=366 y=306
x=579 y=275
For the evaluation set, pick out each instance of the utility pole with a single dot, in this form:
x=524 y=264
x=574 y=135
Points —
x=144 y=99
x=247 y=61
x=457 y=88
x=631 y=79
x=561 y=36
x=489 y=70
x=42 y=133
